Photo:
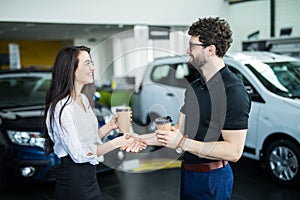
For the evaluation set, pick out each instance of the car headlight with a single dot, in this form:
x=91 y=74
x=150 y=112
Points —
x=26 y=138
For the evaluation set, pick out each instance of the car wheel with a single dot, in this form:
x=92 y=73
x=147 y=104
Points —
x=282 y=160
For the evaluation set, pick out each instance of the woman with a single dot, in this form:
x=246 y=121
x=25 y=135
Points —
x=72 y=128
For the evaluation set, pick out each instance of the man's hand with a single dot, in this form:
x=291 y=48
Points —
x=133 y=143
x=169 y=139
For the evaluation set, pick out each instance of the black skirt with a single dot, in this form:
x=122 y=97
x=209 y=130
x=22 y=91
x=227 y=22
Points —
x=76 y=181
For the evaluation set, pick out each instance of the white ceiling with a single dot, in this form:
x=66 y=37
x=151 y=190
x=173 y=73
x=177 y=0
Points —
x=44 y=31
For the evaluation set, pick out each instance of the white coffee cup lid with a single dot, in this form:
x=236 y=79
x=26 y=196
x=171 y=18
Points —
x=163 y=120
x=122 y=109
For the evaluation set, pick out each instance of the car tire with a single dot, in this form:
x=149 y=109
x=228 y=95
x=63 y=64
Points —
x=281 y=160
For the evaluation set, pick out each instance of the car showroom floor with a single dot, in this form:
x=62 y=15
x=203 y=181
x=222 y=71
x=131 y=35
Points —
x=250 y=183
x=156 y=175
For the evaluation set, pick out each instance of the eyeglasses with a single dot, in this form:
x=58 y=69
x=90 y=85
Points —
x=89 y=64
x=196 y=44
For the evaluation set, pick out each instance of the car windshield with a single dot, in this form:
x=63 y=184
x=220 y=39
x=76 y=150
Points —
x=23 y=90
x=282 y=78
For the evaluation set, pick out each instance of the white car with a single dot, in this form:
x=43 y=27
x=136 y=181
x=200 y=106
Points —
x=272 y=80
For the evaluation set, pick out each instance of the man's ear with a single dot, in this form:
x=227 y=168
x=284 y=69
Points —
x=212 y=49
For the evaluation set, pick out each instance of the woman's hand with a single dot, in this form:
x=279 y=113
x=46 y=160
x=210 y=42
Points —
x=107 y=128
x=169 y=139
x=113 y=123
x=132 y=143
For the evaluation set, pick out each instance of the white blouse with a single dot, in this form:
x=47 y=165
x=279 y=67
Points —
x=77 y=135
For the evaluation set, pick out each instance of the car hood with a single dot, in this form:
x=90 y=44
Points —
x=23 y=118
x=293 y=102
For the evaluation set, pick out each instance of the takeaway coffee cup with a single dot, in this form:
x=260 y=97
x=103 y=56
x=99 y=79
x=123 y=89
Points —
x=163 y=123
x=124 y=119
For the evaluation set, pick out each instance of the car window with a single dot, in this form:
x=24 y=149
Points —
x=182 y=71
x=160 y=72
x=23 y=90
x=281 y=78
x=288 y=75
x=240 y=75
x=172 y=75
x=248 y=86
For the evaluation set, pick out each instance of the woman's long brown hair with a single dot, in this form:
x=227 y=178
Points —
x=62 y=84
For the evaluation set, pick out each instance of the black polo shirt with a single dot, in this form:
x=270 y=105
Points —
x=220 y=104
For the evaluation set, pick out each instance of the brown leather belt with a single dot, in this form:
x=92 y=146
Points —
x=205 y=167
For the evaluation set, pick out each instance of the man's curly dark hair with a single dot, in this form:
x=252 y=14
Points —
x=213 y=31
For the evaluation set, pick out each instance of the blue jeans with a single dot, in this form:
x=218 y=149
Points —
x=214 y=185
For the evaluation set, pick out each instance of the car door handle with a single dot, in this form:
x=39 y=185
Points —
x=170 y=94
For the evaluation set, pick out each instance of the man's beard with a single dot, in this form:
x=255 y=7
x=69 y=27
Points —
x=197 y=62
x=193 y=75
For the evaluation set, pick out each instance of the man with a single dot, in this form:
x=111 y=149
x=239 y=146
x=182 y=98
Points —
x=213 y=121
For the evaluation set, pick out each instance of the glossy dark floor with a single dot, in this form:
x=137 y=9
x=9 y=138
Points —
x=250 y=183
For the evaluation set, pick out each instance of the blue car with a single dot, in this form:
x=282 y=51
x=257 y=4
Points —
x=22 y=157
